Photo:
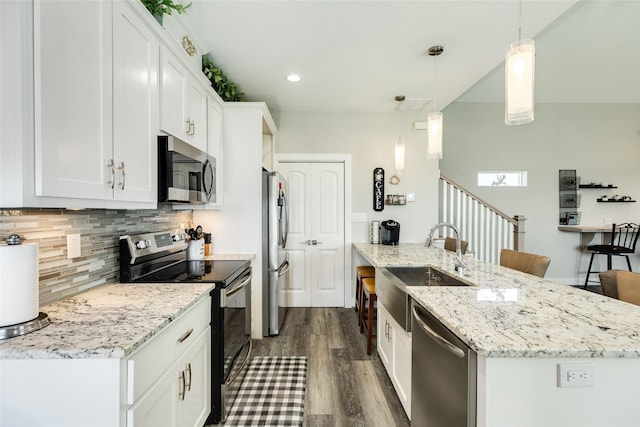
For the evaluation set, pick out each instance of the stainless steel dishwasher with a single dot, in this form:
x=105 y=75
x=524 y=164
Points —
x=443 y=379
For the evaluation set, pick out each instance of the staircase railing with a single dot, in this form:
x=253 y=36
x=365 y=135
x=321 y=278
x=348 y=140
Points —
x=487 y=229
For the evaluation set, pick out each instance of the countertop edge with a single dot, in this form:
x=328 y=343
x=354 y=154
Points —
x=26 y=347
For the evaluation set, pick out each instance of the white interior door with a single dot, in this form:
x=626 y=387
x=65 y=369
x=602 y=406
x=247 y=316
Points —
x=316 y=241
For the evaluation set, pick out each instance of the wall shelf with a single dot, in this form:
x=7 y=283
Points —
x=615 y=201
x=596 y=186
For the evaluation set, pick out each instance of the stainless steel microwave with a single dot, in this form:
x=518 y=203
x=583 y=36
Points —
x=185 y=173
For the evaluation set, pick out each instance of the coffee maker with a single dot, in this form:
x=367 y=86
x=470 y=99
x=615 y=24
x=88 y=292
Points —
x=389 y=232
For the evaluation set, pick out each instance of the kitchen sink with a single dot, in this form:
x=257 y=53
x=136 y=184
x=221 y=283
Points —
x=391 y=284
x=423 y=276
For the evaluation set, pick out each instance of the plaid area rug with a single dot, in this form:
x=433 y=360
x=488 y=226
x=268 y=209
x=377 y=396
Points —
x=272 y=393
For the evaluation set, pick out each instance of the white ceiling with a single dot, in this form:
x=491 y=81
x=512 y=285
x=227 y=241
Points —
x=358 y=55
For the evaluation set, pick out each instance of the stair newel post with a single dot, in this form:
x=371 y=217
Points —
x=518 y=232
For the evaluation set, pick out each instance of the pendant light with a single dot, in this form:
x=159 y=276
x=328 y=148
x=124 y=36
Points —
x=519 y=79
x=434 y=119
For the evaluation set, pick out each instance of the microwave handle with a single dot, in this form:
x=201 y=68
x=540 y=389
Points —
x=207 y=168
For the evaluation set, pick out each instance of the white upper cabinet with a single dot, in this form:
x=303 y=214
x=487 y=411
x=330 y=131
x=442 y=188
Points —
x=135 y=106
x=73 y=134
x=183 y=102
x=96 y=102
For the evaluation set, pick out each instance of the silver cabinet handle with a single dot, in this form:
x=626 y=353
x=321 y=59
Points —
x=112 y=181
x=123 y=175
x=193 y=127
x=187 y=129
x=436 y=337
x=188 y=385
x=185 y=335
x=183 y=386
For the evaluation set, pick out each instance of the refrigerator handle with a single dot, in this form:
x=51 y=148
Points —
x=283 y=268
x=285 y=233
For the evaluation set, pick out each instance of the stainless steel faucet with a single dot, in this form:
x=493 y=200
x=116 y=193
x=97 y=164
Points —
x=460 y=264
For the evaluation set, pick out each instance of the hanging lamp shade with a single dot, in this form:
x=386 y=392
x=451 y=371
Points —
x=434 y=135
x=399 y=155
x=519 y=82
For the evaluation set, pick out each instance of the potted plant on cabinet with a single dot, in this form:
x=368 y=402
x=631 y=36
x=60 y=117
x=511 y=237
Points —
x=227 y=90
x=164 y=7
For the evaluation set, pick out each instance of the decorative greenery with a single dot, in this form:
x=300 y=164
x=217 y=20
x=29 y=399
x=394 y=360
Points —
x=164 y=7
x=227 y=90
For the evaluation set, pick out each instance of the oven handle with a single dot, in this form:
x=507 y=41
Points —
x=244 y=363
x=236 y=288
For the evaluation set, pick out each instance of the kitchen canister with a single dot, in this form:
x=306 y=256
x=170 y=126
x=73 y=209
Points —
x=195 y=250
x=374 y=232
x=19 y=295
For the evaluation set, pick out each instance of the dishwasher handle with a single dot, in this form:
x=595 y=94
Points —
x=456 y=351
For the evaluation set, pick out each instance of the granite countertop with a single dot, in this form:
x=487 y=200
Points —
x=106 y=322
x=506 y=313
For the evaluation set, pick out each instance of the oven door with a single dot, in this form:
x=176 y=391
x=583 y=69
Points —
x=235 y=302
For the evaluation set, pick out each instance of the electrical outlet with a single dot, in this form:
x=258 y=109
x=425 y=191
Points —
x=74 y=249
x=576 y=375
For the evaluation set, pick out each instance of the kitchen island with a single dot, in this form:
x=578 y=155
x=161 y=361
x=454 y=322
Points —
x=107 y=356
x=523 y=328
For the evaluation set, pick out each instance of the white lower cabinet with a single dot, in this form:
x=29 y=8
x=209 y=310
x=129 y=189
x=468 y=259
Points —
x=166 y=382
x=181 y=397
x=394 y=348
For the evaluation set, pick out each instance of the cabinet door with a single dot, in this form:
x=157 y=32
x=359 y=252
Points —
x=158 y=406
x=384 y=337
x=135 y=105
x=401 y=371
x=197 y=113
x=73 y=93
x=173 y=96
x=193 y=410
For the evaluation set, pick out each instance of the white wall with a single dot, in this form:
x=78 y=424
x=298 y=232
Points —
x=600 y=141
x=370 y=139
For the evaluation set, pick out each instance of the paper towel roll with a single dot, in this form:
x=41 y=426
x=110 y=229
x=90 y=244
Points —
x=18 y=283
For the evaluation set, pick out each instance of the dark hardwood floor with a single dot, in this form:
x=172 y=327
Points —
x=345 y=387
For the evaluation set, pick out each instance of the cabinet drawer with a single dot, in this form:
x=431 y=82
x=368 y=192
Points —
x=157 y=355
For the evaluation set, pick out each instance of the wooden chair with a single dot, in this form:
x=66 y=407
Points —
x=628 y=287
x=367 y=312
x=525 y=262
x=624 y=238
x=450 y=245
x=362 y=272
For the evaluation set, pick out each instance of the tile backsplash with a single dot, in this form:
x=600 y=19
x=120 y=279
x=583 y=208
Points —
x=99 y=229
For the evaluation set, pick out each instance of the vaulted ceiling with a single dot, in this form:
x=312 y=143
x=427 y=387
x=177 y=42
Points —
x=358 y=55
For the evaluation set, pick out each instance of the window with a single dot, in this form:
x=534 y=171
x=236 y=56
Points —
x=502 y=179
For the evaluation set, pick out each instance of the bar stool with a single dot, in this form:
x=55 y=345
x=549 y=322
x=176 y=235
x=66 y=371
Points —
x=362 y=272
x=367 y=307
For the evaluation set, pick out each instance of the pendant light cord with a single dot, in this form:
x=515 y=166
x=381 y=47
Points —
x=519 y=21
x=435 y=83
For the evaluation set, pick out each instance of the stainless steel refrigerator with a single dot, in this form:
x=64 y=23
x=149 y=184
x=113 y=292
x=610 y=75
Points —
x=275 y=263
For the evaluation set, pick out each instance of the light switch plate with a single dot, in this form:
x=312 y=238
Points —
x=74 y=249
x=359 y=217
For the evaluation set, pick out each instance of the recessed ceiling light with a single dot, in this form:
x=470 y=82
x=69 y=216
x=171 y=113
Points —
x=293 y=78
